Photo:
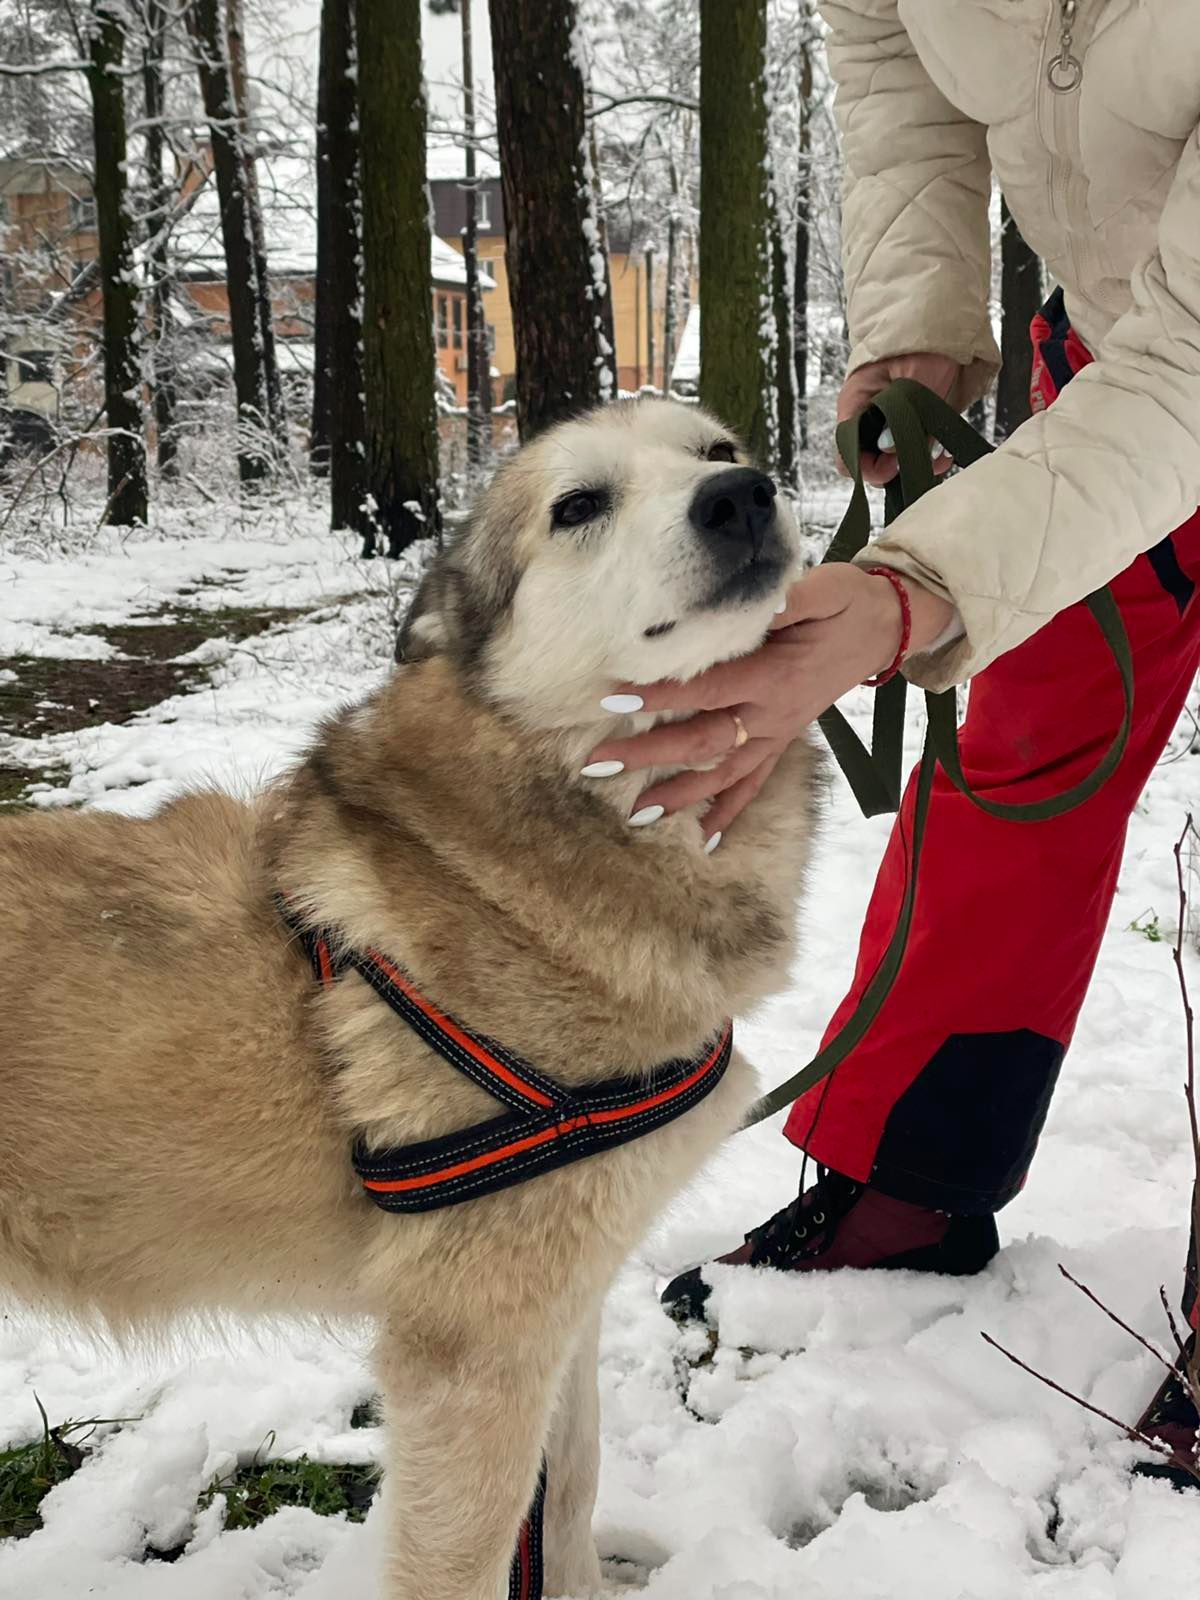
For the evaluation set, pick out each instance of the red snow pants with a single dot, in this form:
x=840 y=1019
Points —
x=943 y=1101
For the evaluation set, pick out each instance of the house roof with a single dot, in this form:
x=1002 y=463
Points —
x=449 y=268
x=289 y=207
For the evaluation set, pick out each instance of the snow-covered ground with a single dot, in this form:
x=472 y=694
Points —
x=851 y=1437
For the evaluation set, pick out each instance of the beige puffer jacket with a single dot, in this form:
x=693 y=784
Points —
x=1104 y=181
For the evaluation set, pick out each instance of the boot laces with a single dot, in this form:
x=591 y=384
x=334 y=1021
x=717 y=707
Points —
x=806 y=1225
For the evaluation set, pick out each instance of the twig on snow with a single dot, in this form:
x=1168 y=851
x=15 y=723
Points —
x=1113 y=1317
x=1068 y=1394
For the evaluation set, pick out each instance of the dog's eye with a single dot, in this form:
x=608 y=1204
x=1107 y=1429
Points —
x=573 y=510
x=722 y=451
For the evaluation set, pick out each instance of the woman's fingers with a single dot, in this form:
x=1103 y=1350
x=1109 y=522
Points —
x=733 y=801
x=690 y=788
x=730 y=683
x=701 y=739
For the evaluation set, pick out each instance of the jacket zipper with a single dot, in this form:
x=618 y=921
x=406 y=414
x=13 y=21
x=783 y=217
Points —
x=1058 y=122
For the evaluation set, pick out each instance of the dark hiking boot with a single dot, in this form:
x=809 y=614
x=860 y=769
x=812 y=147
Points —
x=840 y=1223
x=1171 y=1418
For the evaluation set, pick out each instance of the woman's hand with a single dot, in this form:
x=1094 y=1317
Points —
x=841 y=625
x=938 y=373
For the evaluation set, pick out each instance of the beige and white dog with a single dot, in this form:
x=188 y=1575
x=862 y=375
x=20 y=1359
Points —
x=180 y=1099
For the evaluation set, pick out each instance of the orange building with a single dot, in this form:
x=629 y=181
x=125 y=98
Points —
x=628 y=270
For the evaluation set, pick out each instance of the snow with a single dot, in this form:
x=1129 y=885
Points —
x=450 y=268
x=687 y=355
x=824 y=322
x=851 y=1437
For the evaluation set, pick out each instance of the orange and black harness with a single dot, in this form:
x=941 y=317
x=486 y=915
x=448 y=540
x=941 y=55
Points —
x=547 y=1125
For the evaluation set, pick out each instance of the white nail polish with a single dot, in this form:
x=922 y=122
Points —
x=781 y=608
x=602 y=769
x=887 y=440
x=712 y=844
x=622 y=705
x=936 y=449
x=647 y=815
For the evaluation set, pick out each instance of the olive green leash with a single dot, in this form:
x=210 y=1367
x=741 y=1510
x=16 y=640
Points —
x=915 y=415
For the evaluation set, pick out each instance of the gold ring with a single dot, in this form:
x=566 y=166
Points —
x=741 y=732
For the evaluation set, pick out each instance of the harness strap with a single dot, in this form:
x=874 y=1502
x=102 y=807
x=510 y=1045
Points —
x=525 y=1574
x=914 y=415
x=547 y=1124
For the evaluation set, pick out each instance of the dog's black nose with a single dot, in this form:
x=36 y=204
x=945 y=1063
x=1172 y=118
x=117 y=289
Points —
x=738 y=504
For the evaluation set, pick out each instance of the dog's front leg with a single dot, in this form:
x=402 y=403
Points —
x=467 y=1429
x=572 y=1468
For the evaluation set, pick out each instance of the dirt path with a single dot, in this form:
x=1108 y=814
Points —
x=44 y=695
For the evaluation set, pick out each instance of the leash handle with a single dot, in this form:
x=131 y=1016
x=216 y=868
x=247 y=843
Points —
x=915 y=414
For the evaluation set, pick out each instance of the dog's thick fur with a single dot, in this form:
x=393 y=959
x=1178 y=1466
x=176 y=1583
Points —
x=180 y=1100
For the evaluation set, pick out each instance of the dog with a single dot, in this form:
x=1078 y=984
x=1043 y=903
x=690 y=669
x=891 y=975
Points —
x=182 y=1098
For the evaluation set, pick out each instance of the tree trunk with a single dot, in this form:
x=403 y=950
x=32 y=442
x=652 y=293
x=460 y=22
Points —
x=162 y=375
x=650 y=351
x=800 y=248
x=1020 y=298
x=784 y=464
x=128 y=495
x=332 y=62
x=606 y=338
x=235 y=32
x=401 y=431
x=735 y=258
x=339 y=422
x=479 y=357
x=671 y=303
x=557 y=268
x=255 y=451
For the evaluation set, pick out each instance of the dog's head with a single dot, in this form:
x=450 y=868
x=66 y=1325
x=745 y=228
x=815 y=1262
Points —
x=634 y=542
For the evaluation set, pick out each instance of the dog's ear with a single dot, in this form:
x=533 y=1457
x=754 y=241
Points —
x=430 y=627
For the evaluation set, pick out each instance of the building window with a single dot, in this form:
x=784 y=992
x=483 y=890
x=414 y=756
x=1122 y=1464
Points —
x=83 y=213
x=458 y=322
x=35 y=366
x=483 y=216
x=443 y=322
x=491 y=338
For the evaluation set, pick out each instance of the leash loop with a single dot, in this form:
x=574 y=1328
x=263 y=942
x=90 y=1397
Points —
x=915 y=415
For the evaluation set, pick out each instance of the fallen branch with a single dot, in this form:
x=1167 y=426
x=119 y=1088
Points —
x=1067 y=1394
x=1113 y=1317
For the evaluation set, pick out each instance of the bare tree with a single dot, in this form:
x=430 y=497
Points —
x=558 y=271
x=235 y=32
x=737 y=333
x=339 y=420
x=670 y=301
x=401 y=434
x=784 y=460
x=255 y=450
x=800 y=241
x=160 y=198
x=479 y=360
x=128 y=494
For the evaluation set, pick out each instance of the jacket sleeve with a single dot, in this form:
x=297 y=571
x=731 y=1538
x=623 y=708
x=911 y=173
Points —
x=916 y=243
x=1075 y=493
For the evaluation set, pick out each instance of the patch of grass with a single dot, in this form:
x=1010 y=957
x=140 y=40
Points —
x=255 y=1492
x=1148 y=926
x=15 y=782
x=29 y=1471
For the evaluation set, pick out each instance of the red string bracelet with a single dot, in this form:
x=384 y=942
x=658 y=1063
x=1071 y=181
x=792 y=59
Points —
x=897 y=584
